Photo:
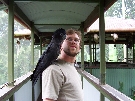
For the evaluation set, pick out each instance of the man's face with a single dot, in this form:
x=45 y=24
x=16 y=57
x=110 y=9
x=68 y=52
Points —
x=71 y=45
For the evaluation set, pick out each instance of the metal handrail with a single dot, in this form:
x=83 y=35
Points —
x=7 y=91
x=108 y=91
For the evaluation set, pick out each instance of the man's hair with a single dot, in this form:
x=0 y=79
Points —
x=72 y=31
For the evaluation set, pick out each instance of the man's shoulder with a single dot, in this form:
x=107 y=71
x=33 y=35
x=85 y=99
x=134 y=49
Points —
x=54 y=66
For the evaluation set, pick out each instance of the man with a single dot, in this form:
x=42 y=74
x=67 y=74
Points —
x=60 y=81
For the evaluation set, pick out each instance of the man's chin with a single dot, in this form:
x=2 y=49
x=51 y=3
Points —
x=71 y=53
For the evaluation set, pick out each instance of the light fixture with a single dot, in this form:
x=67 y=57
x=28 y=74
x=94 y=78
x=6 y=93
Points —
x=115 y=37
x=96 y=38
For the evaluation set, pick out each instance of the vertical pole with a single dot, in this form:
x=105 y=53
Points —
x=32 y=56
x=32 y=45
x=95 y=52
x=90 y=52
x=102 y=46
x=10 y=42
x=102 y=43
x=82 y=50
x=127 y=56
x=133 y=48
x=127 y=52
x=11 y=45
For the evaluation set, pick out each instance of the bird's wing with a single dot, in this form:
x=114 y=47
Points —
x=45 y=60
x=50 y=54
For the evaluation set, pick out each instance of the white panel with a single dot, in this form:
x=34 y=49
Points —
x=37 y=89
x=24 y=93
x=90 y=92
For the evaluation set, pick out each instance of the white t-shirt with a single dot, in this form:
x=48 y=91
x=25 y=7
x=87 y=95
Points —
x=61 y=82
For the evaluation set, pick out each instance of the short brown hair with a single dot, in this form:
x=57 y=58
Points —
x=72 y=31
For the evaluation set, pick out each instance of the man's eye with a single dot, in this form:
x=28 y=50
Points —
x=76 y=40
x=69 y=39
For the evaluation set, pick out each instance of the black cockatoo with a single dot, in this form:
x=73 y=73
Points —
x=49 y=55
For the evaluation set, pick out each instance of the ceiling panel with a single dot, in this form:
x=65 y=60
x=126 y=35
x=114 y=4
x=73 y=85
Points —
x=56 y=13
x=49 y=15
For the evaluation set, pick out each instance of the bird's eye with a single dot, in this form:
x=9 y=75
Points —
x=61 y=34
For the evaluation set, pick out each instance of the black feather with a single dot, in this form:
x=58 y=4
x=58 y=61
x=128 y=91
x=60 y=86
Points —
x=49 y=55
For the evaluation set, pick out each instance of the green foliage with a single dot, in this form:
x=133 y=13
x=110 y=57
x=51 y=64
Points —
x=22 y=51
x=113 y=53
x=86 y=54
x=130 y=9
x=120 y=86
x=133 y=93
x=3 y=48
x=120 y=52
x=22 y=57
x=132 y=97
x=116 y=9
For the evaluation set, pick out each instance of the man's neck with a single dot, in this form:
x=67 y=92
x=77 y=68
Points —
x=67 y=58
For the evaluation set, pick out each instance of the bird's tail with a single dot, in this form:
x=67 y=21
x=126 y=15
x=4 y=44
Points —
x=34 y=78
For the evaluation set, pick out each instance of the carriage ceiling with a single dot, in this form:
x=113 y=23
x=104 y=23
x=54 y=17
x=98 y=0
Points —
x=49 y=15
